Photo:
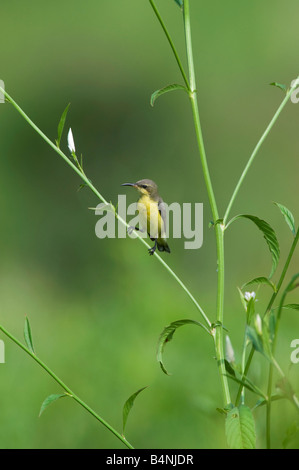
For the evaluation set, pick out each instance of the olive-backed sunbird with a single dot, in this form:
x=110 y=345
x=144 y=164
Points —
x=152 y=214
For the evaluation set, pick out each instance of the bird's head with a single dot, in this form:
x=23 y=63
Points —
x=145 y=186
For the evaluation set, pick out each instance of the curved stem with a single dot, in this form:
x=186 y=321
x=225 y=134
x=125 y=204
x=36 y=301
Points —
x=255 y=151
x=218 y=229
x=66 y=388
x=170 y=43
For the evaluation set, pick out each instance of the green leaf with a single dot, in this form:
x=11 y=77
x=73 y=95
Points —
x=291 y=433
x=289 y=218
x=250 y=310
x=167 y=335
x=245 y=382
x=269 y=236
x=264 y=401
x=166 y=89
x=260 y=280
x=27 y=336
x=50 y=399
x=179 y=2
x=256 y=340
x=292 y=306
x=279 y=85
x=240 y=428
x=61 y=125
x=128 y=406
x=229 y=368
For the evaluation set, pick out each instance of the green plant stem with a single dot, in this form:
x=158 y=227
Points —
x=218 y=228
x=269 y=306
x=99 y=195
x=270 y=376
x=171 y=43
x=66 y=388
x=255 y=151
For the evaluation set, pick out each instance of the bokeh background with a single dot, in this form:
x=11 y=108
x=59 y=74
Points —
x=97 y=307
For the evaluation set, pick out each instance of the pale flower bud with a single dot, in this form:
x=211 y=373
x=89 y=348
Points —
x=70 y=141
x=229 y=351
x=258 y=324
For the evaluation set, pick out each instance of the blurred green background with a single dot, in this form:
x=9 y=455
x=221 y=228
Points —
x=97 y=307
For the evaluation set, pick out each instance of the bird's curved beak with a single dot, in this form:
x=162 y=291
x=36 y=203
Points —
x=129 y=184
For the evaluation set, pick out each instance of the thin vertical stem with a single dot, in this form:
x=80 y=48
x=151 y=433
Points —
x=218 y=337
x=271 y=302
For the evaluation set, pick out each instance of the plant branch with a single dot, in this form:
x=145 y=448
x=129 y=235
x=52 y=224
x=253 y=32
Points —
x=170 y=43
x=255 y=151
x=66 y=388
x=99 y=195
x=269 y=306
x=218 y=337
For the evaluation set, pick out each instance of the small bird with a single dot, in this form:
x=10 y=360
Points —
x=152 y=214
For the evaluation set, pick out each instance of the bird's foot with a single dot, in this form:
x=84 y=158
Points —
x=152 y=250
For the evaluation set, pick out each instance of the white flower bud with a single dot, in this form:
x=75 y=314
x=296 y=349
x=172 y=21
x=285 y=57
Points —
x=229 y=351
x=70 y=141
x=258 y=324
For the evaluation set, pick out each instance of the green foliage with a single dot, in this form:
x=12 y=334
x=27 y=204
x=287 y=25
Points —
x=128 y=406
x=240 y=428
x=167 y=335
x=61 y=125
x=269 y=236
x=260 y=280
x=51 y=399
x=288 y=216
x=28 y=336
x=292 y=306
x=180 y=3
x=279 y=85
x=164 y=90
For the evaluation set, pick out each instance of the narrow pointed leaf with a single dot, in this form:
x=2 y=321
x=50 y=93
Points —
x=167 y=335
x=245 y=382
x=288 y=216
x=61 y=125
x=128 y=406
x=28 y=336
x=264 y=401
x=269 y=236
x=240 y=428
x=279 y=85
x=50 y=399
x=292 y=306
x=166 y=89
x=256 y=340
x=179 y=2
x=260 y=280
x=250 y=310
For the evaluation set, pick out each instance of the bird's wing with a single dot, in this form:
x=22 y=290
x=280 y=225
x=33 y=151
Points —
x=163 y=213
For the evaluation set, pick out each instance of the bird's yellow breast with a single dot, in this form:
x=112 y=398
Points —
x=149 y=216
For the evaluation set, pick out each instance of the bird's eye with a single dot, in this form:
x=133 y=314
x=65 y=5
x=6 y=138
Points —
x=144 y=186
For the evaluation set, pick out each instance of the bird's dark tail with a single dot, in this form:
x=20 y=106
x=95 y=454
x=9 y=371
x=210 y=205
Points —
x=163 y=247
